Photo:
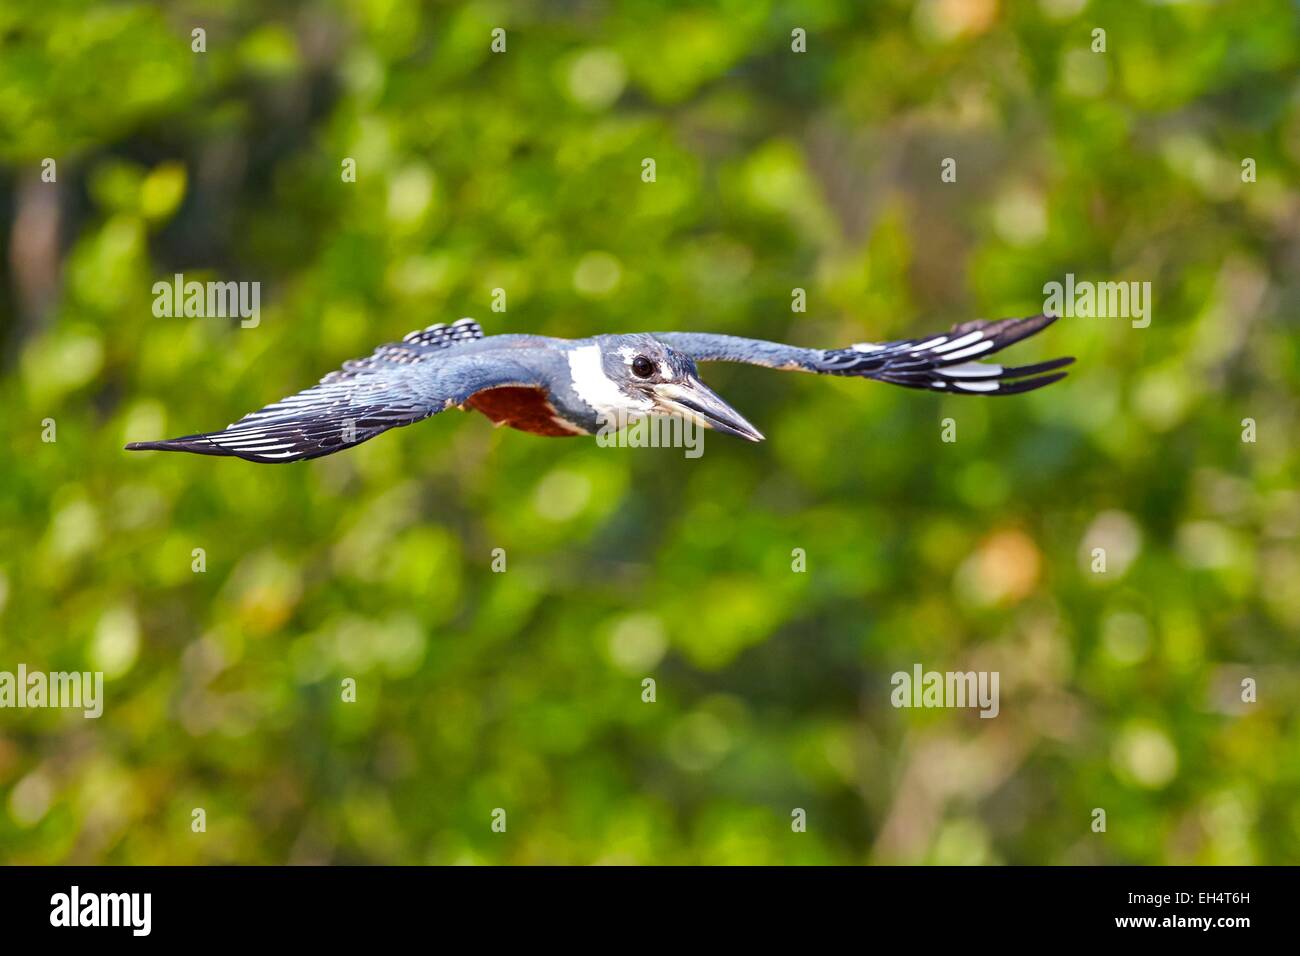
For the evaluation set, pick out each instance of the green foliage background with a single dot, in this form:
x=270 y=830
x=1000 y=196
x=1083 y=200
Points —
x=522 y=690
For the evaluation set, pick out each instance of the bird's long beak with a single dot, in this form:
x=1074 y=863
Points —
x=697 y=401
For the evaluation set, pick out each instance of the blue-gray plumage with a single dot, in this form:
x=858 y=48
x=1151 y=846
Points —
x=556 y=387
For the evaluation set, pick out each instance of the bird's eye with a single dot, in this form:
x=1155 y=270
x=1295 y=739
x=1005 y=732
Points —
x=642 y=367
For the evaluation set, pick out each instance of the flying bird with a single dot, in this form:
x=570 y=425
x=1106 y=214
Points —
x=558 y=387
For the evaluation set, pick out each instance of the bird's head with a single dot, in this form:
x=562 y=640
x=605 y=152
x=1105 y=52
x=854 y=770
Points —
x=650 y=378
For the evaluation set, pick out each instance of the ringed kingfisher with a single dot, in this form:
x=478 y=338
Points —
x=556 y=387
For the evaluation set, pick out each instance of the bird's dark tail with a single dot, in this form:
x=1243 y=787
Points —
x=949 y=361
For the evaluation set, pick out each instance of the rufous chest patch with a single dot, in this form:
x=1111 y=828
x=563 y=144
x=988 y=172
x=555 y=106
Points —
x=522 y=407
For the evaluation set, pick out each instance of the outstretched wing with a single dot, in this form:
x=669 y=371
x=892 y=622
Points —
x=943 y=362
x=400 y=383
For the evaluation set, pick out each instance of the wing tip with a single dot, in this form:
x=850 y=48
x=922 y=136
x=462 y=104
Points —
x=195 y=444
x=1024 y=371
x=170 y=444
x=1020 y=386
x=1007 y=330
